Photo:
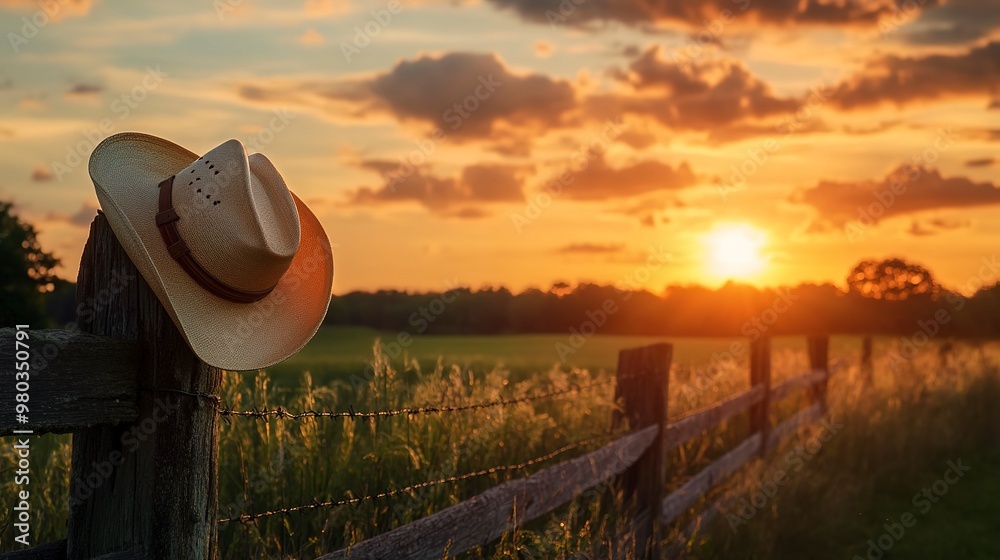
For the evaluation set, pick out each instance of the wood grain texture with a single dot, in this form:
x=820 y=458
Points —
x=484 y=518
x=148 y=484
x=691 y=491
x=819 y=360
x=76 y=380
x=804 y=381
x=642 y=385
x=760 y=374
x=685 y=429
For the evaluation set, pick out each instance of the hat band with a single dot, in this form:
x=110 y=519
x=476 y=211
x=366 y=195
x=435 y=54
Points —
x=166 y=219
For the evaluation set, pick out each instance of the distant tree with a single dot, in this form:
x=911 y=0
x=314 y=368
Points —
x=25 y=271
x=891 y=279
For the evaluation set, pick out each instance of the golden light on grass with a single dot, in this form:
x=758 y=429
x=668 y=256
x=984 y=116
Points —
x=734 y=251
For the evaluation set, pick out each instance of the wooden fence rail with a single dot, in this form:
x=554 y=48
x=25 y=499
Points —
x=129 y=369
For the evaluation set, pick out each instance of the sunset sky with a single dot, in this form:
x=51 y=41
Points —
x=523 y=142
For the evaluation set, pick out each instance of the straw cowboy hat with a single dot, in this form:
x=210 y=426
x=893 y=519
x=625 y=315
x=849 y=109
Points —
x=242 y=266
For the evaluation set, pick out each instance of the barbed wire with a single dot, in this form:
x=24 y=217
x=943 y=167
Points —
x=253 y=517
x=281 y=413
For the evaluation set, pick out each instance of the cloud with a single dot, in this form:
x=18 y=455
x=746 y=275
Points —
x=311 y=38
x=936 y=226
x=55 y=11
x=591 y=248
x=85 y=89
x=543 y=49
x=980 y=162
x=720 y=96
x=81 y=218
x=466 y=95
x=451 y=196
x=916 y=230
x=41 y=174
x=600 y=181
x=958 y=21
x=903 y=80
x=906 y=190
x=695 y=13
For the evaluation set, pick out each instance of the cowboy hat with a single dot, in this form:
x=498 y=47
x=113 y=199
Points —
x=241 y=265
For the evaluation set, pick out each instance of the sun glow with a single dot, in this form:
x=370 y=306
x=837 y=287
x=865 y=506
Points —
x=733 y=251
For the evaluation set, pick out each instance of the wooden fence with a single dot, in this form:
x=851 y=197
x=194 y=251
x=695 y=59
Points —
x=127 y=364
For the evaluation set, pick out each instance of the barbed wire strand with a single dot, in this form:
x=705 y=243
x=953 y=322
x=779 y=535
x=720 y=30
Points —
x=281 y=413
x=253 y=517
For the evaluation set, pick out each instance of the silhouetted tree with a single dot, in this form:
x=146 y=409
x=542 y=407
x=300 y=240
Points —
x=25 y=271
x=891 y=279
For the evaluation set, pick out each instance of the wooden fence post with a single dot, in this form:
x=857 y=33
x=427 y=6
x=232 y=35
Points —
x=643 y=376
x=760 y=374
x=867 y=372
x=149 y=486
x=819 y=359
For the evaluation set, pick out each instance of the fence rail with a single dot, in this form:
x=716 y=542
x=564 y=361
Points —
x=164 y=503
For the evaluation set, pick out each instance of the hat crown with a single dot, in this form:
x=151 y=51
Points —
x=237 y=217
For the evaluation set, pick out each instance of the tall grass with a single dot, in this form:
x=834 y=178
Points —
x=915 y=414
x=893 y=439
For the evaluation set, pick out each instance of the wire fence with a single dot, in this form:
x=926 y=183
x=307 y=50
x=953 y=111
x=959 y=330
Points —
x=250 y=517
x=279 y=413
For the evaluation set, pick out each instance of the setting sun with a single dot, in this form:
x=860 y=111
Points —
x=734 y=251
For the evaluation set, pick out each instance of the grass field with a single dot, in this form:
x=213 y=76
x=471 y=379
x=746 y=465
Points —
x=897 y=437
x=338 y=352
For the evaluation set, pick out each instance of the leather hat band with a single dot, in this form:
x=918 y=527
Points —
x=166 y=221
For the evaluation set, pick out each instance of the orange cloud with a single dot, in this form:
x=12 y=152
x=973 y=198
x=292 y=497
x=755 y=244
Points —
x=902 y=80
x=697 y=12
x=906 y=190
x=474 y=185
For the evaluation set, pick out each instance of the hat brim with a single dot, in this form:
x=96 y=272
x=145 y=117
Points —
x=126 y=170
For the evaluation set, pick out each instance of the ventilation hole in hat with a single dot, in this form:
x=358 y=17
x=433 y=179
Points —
x=191 y=183
x=208 y=161
x=216 y=172
x=216 y=202
x=208 y=196
x=192 y=171
x=211 y=167
x=197 y=178
x=199 y=190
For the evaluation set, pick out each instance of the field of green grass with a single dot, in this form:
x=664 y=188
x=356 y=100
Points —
x=338 y=352
x=897 y=437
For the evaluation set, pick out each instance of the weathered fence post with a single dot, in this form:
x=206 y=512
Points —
x=819 y=358
x=643 y=376
x=150 y=485
x=867 y=372
x=760 y=374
